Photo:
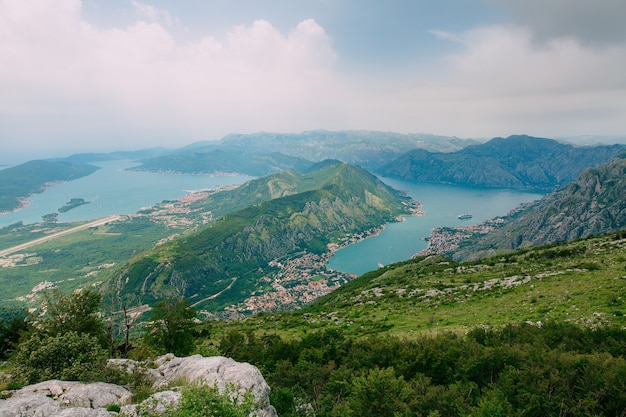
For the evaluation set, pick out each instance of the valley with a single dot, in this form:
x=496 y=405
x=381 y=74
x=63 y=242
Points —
x=531 y=288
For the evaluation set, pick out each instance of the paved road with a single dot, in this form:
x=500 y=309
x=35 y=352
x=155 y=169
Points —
x=34 y=242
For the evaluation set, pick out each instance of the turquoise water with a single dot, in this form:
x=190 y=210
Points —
x=442 y=204
x=113 y=190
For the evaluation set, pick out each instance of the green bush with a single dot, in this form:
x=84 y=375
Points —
x=172 y=327
x=69 y=356
x=206 y=401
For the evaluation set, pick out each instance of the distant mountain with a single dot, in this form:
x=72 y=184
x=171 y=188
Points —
x=522 y=162
x=368 y=149
x=110 y=156
x=595 y=203
x=294 y=213
x=223 y=161
x=20 y=181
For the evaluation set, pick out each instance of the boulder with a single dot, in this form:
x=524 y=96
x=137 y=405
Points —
x=217 y=370
x=157 y=404
x=63 y=399
x=75 y=399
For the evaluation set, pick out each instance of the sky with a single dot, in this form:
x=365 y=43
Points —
x=102 y=75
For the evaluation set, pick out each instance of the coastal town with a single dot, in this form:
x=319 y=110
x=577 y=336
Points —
x=290 y=282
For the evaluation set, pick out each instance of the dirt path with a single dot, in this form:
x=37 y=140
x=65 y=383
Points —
x=99 y=222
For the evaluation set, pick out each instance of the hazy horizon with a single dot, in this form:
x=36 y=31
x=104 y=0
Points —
x=98 y=75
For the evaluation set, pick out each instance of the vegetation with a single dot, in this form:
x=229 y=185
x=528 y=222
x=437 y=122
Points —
x=68 y=356
x=223 y=264
x=75 y=260
x=369 y=346
x=171 y=326
x=220 y=161
x=206 y=401
x=20 y=181
x=518 y=370
x=538 y=331
x=515 y=162
x=592 y=204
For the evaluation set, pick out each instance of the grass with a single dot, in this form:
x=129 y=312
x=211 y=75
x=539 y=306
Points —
x=582 y=282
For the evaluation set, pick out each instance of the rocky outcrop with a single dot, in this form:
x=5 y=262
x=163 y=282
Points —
x=67 y=399
x=63 y=398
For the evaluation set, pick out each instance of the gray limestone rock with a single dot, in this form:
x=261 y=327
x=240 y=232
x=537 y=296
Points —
x=63 y=399
x=75 y=399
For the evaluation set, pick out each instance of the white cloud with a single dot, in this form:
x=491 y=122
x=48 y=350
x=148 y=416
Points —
x=140 y=78
x=62 y=78
x=501 y=82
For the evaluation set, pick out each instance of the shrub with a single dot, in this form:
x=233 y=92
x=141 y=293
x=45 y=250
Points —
x=206 y=401
x=68 y=356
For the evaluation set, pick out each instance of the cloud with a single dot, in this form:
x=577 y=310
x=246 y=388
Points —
x=599 y=22
x=63 y=79
x=506 y=80
x=76 y=79
x=499 y=82
x=154 y=14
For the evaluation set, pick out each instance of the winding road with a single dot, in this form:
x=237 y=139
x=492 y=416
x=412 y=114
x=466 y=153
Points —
x=99 y=222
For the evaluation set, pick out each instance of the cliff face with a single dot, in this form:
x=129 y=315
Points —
x=595 y=203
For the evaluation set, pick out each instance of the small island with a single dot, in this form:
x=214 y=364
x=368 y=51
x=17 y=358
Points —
x=73 y=203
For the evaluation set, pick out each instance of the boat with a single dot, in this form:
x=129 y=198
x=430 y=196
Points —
x=465 y=216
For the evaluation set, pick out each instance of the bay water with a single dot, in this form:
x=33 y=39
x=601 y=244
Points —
x=442 y=204
x=114 y=190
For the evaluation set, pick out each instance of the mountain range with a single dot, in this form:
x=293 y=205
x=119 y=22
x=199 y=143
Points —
x=593 y=204
x=293 y=214
x=520 y=161
x=261 y=228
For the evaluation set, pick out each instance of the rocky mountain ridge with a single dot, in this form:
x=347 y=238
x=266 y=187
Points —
x=519 y=161
x=593 y=204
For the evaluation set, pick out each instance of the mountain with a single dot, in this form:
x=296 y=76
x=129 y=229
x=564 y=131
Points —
x=522 y=162
x=576 y=282
x=223 y=161
x=110 y=156
x=20 y=181
x=368 y=149
x=593 y=204
x=294 y=215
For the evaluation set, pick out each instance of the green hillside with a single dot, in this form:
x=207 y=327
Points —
x=229 y=261
x=581 y=282
x=18 y=182
x=534 y=333
x=515 y=162
x=221 y=161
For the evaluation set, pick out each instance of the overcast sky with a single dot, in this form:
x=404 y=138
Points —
x=97 y=75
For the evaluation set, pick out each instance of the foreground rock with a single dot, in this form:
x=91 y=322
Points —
x=69 y=399
x=63 y=398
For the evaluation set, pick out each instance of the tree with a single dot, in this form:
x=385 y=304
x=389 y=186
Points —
x=380 y=393
x=67 y=356
x=171 y=329
x=10 y=334
x=75 y=312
